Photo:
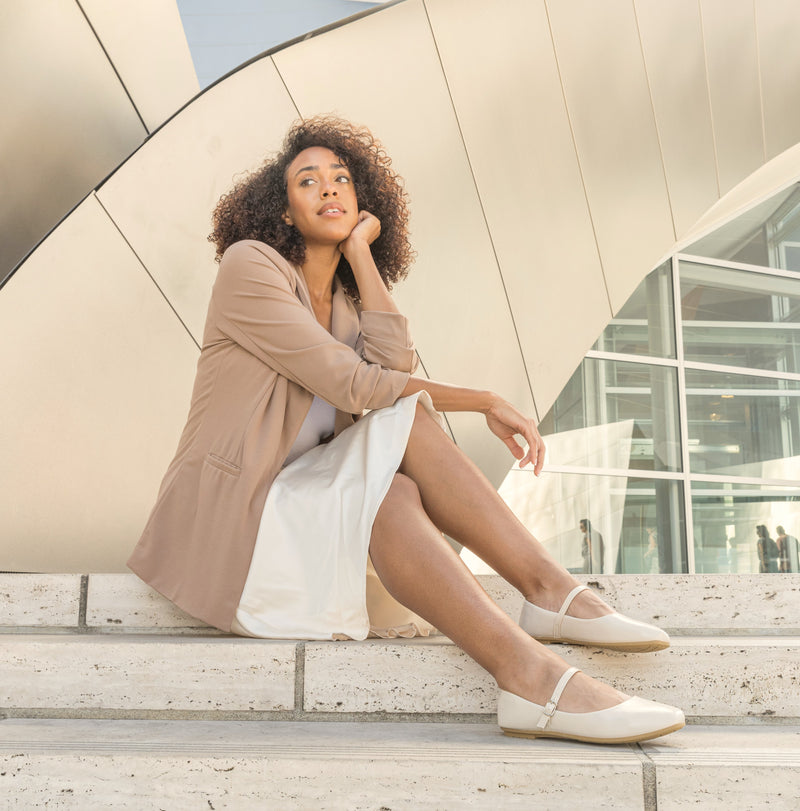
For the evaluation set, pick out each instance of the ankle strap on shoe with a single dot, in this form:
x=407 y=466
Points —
x=551 y=705
x=564 y=608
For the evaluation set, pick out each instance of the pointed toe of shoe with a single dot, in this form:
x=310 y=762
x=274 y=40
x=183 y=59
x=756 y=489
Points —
x=613 y=631
x=635 y=719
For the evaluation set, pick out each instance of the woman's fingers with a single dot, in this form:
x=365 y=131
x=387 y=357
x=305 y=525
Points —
x=507 y=422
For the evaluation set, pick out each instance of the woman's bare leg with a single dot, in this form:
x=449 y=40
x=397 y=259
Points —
x=462 y=503
x=421 y=570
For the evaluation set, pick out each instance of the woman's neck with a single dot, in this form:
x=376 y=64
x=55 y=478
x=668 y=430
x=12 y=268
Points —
x=319 y=268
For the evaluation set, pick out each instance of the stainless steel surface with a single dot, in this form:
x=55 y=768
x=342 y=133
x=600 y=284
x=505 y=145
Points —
x=163 y=196
x=165 y=79
x=608 y=99
x=778 y=31
x=97 y=374
x=733 y=81
x=672 y=43
x=521 y=152
x=453 y=295
x=66 y=119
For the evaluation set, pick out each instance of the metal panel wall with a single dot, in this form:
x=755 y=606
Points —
x=163 y=81
x=672 y=43
x=522 y=154
x=453 y=295
x=66 y=119
x=600 y=58
x=163 y=196
x=730 y=40
x=96 y=383
x=778 y=31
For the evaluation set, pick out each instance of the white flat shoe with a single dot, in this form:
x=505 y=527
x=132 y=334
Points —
x=612 y=631
x=635 y=719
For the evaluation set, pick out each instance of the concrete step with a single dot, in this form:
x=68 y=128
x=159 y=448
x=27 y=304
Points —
x=681 y=604
x=136 y=675
x=143 y=765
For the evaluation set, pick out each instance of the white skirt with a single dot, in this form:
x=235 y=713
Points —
x=310 y=576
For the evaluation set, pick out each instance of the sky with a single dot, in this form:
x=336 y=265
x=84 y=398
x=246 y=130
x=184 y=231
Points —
x=224 y=33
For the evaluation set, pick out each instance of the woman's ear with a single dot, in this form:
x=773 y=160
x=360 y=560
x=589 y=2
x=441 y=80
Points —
x=286 y=218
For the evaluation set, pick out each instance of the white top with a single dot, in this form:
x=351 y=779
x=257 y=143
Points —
x=317 y=425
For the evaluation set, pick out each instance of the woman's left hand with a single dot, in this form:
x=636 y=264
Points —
x=364 y=233
x=504 y=421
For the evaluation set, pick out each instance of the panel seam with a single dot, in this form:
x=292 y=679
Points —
x=482 y=208
x=578 y=159
x=146 y=270
x=710 y=100
x=655 y=119
x=113 y=67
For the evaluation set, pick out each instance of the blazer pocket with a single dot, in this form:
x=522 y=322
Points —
x=223 y=464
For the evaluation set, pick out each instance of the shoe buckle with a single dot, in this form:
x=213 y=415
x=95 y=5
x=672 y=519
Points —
x=545 y=717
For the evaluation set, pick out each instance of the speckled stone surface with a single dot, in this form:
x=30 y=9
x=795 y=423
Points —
x=147 y=765
x=725 y=677
x=735 y=602
x=675 y=602
x=732 y=768
x=35 y=600
x=125 y=601
x=418 y=675
x=145 y=673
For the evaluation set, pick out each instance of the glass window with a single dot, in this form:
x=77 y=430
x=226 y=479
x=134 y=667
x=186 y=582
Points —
x=616 y=414
x=762 y=236
x=742 y=425
x=741 y=528
x=645 y=324
x=602 y=524
x=737 y=318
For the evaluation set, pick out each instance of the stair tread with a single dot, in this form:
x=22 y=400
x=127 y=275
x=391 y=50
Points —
x=411 y=740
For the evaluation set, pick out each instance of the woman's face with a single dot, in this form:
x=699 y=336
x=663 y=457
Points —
x=322 y=198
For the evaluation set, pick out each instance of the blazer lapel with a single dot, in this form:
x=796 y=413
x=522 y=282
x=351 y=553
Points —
x=344 y=320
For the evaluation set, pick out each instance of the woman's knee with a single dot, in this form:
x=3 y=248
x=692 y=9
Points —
x=403 y=491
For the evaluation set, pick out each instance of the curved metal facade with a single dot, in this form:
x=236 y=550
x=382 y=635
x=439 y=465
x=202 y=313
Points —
x=553 y=151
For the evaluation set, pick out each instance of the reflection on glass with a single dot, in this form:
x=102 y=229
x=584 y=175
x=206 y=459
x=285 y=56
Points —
x=745 y=528
x=766 y=235
x=742 y=425
x=738 y=318
x=616 y=414
x=602 y=524
x=645 y=325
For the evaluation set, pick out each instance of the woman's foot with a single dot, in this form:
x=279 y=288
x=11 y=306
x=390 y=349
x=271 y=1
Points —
x=603 y=630
x=583 y=709
x=581 y=694
x=586 y=605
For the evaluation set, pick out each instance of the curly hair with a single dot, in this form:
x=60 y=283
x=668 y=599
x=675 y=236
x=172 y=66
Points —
x=253 y=208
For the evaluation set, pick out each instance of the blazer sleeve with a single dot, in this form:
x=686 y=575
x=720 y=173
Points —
x=255 y=305
x=385 y=338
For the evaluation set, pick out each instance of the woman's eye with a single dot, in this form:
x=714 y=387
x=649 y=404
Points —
x=306 y=181
x=343 y=179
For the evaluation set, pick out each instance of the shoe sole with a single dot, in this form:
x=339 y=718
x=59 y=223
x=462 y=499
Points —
x=628 y=647
x=520 y=733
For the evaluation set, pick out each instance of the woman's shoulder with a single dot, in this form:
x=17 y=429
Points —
x=247 y=255
x=254 y=250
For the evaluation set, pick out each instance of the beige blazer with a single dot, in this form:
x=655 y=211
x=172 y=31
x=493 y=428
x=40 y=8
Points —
x=263 y=359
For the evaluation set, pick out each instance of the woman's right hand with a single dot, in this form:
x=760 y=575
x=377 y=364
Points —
x=505 y=421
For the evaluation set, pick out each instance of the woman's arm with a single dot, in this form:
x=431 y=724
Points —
x=371 y=287
x=503 y=419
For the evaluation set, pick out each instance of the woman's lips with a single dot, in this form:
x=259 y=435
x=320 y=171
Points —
x=331 y=209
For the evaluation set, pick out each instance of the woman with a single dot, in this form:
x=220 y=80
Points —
x=263 y=528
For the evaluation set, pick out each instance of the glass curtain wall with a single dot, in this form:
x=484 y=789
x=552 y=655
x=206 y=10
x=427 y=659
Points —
x=675 y=445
